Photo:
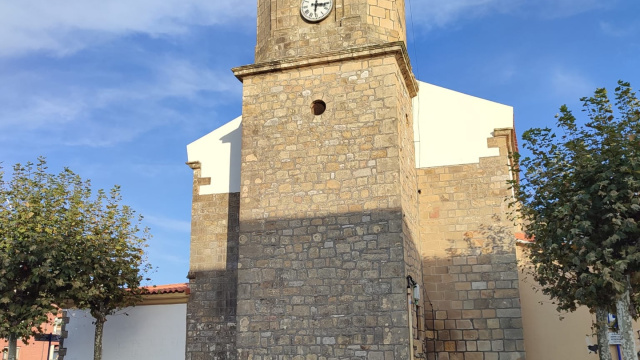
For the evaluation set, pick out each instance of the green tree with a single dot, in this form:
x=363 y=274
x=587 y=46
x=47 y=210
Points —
x=110 y=278
x=578 y=198
x=58 y=242
x=34 y=222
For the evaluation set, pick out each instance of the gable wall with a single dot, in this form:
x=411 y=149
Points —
x=469 y=260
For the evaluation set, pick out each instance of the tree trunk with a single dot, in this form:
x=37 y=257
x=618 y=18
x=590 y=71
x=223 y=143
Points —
x=97 y=341
x=13 y=347
x=625 y=325
x=603 y=342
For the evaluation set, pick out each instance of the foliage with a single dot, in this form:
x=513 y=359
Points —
x=113 y=261
x=579 y=199
x=35 y=225
x=110 y=261
x=59 y=243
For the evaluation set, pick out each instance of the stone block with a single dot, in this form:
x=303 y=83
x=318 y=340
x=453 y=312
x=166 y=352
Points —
x=484 y=345
x=511 y=313
x=512 y=356
x=497 y=345
x=474 y=356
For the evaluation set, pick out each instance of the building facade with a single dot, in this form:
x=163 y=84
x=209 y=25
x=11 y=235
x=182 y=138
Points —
x=44 y=346
x=352 y=212
x=153 y=329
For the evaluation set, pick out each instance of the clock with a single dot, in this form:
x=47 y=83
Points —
x=315 y=10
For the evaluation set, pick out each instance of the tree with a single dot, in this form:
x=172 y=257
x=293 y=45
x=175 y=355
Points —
x=110 y=278
x=579 y=199
x=60 y=243
x=34 y=222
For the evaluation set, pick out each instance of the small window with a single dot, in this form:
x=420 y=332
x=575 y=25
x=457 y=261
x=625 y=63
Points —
x=55 y=352
x=318 y=107
x=57 y=326
x=5 y=353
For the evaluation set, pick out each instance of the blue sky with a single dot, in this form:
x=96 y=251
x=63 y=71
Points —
x=116 y=89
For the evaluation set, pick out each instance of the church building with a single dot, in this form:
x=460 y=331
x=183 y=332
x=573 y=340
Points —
x=352 y=211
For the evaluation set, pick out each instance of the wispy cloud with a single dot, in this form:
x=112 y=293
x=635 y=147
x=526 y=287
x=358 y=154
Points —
x=99 y=115
x=570 y=85
x=168 y=224
x=437 y=13
x=65 y=27
x=618 y=29
x=564 y=8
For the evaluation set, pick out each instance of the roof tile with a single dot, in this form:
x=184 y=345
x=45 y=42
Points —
x=168 y=289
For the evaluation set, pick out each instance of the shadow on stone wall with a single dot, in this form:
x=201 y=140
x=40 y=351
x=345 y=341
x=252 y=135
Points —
x=333 y=286
x=494 y=238
x=211 y=311
x=473 y=296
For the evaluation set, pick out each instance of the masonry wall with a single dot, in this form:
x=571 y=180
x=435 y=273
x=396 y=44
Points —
x=211 y=310
x=409 y=200
x=283 y=33
x=322 y=238
x=469 y=259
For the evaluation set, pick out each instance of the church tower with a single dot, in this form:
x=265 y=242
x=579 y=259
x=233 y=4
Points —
x=314 y=222
x=328 y=196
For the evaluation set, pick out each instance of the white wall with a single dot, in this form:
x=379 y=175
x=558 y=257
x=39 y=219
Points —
x=219 y=156
x=452 y=128
x=155 y=332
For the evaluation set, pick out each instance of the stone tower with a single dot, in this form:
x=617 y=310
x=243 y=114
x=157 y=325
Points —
x=317 y=247
x=328 y=187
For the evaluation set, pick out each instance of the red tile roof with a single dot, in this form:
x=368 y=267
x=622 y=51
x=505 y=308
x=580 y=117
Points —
x=168 y=289
x=522 y=238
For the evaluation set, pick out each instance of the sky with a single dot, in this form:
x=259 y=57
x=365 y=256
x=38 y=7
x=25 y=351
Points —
x=115 y=90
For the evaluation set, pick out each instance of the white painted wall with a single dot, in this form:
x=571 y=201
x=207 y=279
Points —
x=219 y=155
x=452 y=128
x=155 y=332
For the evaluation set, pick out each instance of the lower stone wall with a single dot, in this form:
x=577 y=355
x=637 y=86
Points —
x=476 y=306
x=211 y=318
x=472 y=310
x=213 y=275
x=332 y=287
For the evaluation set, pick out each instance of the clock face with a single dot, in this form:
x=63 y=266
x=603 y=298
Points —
x=315 y=10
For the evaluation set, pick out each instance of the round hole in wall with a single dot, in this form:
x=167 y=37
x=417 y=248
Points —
x=318 y=107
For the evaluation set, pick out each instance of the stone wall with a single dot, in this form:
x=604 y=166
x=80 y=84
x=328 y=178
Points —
x=469 y=260
x=211 y=310
x=323 y=230
x=409 y=200
x=283 y=33
x=310 y=260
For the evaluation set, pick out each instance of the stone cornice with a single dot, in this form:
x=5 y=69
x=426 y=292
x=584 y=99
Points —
x=195 y=165
x=164 y=299
x=512 y=146
x=397 y=48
